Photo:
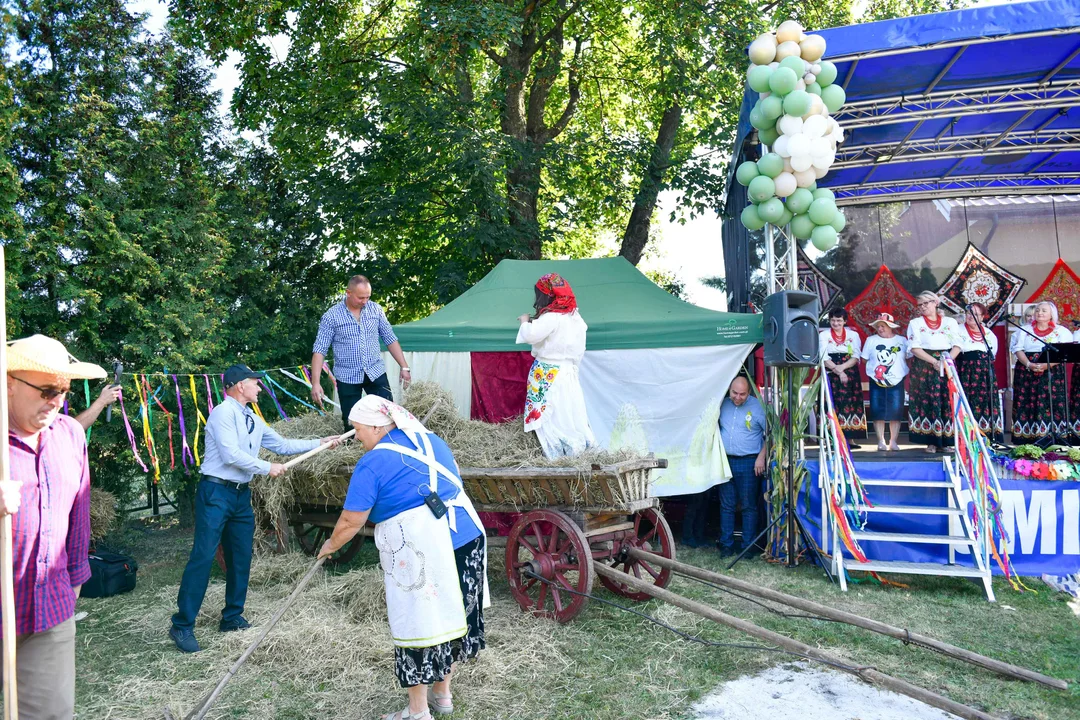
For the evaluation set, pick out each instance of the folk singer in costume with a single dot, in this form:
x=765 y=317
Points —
x=975 y=366
x=841 y=348
x=930 y=410
x=1075 y=401
x=434 y=565
x=554 y=404
x=1032 y=389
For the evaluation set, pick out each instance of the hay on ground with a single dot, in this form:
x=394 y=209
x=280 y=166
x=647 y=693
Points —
x=102 y=513
x=324 y=478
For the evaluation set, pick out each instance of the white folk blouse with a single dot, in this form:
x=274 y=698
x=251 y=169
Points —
x=946 y=337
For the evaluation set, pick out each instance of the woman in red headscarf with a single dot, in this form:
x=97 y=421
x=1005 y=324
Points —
x=554 y=403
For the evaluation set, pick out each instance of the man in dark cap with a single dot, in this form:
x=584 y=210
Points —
x=223 y=511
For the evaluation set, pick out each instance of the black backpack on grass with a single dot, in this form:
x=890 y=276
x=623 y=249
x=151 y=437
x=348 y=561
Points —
x=110 y=574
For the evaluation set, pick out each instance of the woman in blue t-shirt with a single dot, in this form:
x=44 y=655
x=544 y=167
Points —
x=431 y=546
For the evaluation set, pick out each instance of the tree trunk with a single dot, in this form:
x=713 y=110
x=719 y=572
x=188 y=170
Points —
x=637 y=229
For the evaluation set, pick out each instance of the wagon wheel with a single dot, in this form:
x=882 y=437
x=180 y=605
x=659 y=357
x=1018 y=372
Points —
x=311 y=538
x=549 y=544
x=652 y=534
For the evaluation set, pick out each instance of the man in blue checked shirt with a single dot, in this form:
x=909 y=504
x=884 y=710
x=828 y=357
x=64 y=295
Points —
x=353 y=328
x=742 y=428
x=223 y=513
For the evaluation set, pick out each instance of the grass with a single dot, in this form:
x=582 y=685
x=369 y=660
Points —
x=323 y=661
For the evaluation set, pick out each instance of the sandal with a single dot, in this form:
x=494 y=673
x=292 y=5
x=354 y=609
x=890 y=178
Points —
x=930 y=450
x=406 y=715
x=439 y=703
x=881 y=447
x=894 y=448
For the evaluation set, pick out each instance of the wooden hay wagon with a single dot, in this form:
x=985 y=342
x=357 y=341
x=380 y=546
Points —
x=568 y=520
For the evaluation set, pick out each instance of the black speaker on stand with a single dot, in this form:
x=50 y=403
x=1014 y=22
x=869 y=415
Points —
x=791 y=340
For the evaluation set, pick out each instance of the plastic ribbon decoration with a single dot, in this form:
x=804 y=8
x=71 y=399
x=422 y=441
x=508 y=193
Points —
x=209 y=396
x=280 y=387
x=168 y=417
x=148 y=435
x=217 y=391
x=200 y=419
x=270 y=390
x=86 y=389
x=185 y=449
x=130 y=432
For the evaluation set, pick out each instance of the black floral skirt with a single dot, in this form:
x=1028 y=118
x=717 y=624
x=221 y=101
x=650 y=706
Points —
x=424 y=666
x=929 y=409
x=1032 y=409
x=976 y=370
x=1074 y=403
x=848 y=400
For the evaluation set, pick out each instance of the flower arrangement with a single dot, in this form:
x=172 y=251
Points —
x=1030 y=461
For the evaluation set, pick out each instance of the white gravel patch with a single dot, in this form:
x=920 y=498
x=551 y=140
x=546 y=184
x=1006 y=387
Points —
x=810 y=693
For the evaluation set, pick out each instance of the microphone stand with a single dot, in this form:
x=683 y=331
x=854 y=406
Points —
x=1051 y=438
x=990 y=375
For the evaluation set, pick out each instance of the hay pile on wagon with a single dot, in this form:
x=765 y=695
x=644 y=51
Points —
x=324 y=478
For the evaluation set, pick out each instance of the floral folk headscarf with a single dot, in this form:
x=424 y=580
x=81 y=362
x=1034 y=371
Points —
x=554 y=286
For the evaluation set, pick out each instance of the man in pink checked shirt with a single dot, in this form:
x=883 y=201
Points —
x=48 y=497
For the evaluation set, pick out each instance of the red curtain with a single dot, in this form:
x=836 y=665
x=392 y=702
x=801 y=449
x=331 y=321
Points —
x=498 y=385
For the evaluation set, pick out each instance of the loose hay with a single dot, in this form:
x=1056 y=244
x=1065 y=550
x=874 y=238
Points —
x=329 y=656
x=102 y=513
x=324 y=478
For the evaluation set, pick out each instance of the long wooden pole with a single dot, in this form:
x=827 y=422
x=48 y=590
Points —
x=204 y=707
x=866 y=673
x=852 y=619
x=301 y=458
x=7 y=578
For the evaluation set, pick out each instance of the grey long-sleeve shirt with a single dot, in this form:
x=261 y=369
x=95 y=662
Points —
x=234 y=434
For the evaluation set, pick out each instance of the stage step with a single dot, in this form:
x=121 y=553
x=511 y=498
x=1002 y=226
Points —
x=870 y=482
x=912 y=568
x=870 y=535
x=905 y=509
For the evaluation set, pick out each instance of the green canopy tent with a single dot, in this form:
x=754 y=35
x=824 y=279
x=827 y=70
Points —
x=654 y=371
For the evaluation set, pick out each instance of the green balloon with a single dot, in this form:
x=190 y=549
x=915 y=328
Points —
x=761 y=189
x=750 y=218
x=799 y=201
x=834 y=97
x=827 y=76
x=794 y=63
x=821 y=211
x=839 y=222
x=783 y=80
x=771 y=211
x=823 y=237
x=812 y=186
x=819 y=193
x=746 y=172
x=802 y=227
x=797 y=103
x=758 y=120
x=770 y=165
x=771 y=107
x=759 y=78
x=814 y=89
x=768 y=136
x=784 y=219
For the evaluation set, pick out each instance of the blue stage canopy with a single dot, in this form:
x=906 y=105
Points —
x=982 y=101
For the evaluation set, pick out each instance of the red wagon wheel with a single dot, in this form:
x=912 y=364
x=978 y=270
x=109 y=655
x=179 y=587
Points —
x=652 y=534
x=548 y=544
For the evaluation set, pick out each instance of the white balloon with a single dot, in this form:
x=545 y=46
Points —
x=774 y=65
x=800 y=163
x=808 y=78
x=819 y=146
x=789 y=31
x=838 y=135
x=815 y=126
x=821 y=162
x=813 y=47
x=815 y=68
x=805 y=178
x=787 y=165
x=764 y=95
x=820 y=172
x=799 y=145
x=790 y=125
x=780 y=147
x=800 y=85
x=816 y=105
x=763 y=50
x=785 y=184
x=788 y=49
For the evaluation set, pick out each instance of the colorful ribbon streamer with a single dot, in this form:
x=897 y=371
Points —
x=280 y=387
x=130 y=432
x=148 y=436
x=185 y=449
x=270 y=390
x=86 y=389
x=168 y=418
x=200 y=419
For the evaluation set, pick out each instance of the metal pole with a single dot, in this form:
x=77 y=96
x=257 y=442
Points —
x=789 y=470
x=7 y=555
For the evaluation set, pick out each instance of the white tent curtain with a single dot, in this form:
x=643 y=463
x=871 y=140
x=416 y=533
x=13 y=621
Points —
x=451 y=370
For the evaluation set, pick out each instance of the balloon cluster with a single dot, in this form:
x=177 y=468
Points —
x=792 y=116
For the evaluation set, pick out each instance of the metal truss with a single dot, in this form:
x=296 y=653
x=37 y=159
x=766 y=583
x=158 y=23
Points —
x=946 y=44
x=963 y=186
x=957 y=147
x=959 y=103
x=781 y=259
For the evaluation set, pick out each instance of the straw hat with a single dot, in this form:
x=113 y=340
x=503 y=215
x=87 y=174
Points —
x=38 y=353
x=885 y=318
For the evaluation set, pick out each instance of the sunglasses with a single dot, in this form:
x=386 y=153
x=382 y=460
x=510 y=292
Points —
x=47 y=393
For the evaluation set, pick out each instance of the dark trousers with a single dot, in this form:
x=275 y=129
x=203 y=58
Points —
x=350 y=393
x=696 y=517
x=743 y=490
x=223 y=515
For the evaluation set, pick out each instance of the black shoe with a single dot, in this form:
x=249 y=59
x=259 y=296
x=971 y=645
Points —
x=184 y=639
x=691 y=543
x=238 y=624
x=726 y=550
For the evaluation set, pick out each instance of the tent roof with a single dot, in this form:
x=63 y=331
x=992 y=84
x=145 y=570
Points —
x=981 y=101
x=623 y=308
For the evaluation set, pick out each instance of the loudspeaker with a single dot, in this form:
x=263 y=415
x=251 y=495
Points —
x=791 y=331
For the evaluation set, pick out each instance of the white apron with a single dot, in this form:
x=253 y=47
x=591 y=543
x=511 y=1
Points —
x=420 y=573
